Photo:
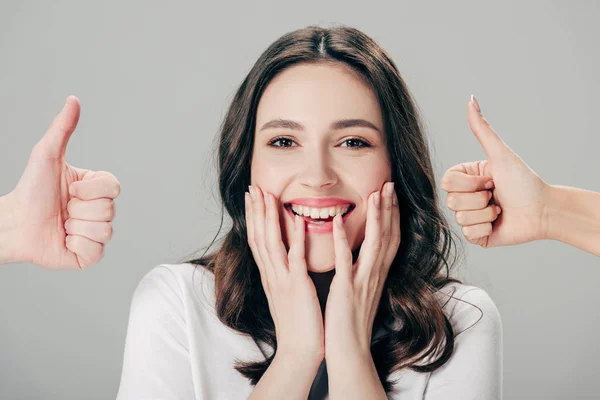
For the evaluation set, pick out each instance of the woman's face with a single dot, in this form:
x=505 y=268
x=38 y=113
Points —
x=316 y=160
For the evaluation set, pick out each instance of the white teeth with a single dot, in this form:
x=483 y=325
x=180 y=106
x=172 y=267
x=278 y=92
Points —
x=318 y=213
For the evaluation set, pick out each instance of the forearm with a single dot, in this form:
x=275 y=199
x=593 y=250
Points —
x=8 y=228
x=573 y=217
x=354 y=376
x=287 y=377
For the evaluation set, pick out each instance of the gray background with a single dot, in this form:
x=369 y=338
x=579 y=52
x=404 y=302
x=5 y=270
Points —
x=154 y=82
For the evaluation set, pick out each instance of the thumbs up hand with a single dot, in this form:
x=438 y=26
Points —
x=62 y=214
x=512 y=211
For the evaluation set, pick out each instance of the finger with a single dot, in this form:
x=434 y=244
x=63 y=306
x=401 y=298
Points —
x=259 y=219
x=274 y=244
x=95 y=186
x=343 y=253
x=87 y=251
x=249 y=225
x=474 y=233
x=395 y=238
x=54 y=142
x=386 y=220
x=251 y=231
x=491 y=142
x=456 y=179
x=100 y=232
x=254 y=249
x=297 y=253
x=468 y=201
x=473 y=217
x=91 y=210
x=372 y=243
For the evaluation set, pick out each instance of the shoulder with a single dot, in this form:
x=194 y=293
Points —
x=170 y=286
x=175 y=277
x=469 y=307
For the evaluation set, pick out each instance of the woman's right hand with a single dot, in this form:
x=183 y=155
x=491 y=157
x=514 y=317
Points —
x=291 y=294
x=62 y=215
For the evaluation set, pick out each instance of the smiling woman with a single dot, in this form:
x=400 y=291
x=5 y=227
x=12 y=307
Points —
x=323 y=130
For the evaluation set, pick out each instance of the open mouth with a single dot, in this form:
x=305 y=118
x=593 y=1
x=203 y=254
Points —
x=318 y=221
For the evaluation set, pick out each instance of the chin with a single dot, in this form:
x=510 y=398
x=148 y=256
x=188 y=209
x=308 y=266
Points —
x=320 y=269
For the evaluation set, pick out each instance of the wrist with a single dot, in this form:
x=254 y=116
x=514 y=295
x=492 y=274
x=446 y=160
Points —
x=555 y=206
x=8 y=231
x=549 y=212
x=294 y=360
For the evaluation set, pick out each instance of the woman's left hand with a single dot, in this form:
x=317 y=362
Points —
x=356 y=289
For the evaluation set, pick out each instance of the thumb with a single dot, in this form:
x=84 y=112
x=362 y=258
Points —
x=54 y=142
x=492 y=144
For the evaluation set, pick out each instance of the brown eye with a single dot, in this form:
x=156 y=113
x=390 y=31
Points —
x=358 y=143
x=355 y=140
x=280 y=140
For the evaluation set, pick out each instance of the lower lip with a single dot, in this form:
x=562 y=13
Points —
x=326 y=227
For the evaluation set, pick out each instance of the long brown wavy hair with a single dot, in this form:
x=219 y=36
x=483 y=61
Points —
x=427 y=250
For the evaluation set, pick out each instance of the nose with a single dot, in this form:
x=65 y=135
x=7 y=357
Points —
x=317 y=172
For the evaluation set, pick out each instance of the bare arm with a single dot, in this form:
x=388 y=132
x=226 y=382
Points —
x=573 y=217
x=354 y=377
x=7 y=232
x=288 y=377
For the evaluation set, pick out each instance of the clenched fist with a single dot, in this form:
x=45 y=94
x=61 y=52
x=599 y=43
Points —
x=61 y=215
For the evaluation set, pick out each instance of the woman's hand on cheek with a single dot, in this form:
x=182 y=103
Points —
x=356 y=289
x=291 y=294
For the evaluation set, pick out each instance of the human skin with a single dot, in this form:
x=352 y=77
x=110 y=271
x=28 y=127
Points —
x=318 y=161
x=314 y=162
x=58 y=216
x=525 y=208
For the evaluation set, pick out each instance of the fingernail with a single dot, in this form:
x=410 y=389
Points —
x=338 y=220
x=489 y=184
x=252 y=194
x=498 y=209
x=395 y=199
x=376 y=199
x=475 y=103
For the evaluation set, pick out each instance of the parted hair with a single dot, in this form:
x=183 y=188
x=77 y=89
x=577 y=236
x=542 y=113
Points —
x=427 y=252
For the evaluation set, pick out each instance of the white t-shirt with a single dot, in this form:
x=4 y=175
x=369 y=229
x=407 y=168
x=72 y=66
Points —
x=176 y=347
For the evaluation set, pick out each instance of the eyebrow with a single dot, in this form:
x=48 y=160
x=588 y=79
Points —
x=336 y=125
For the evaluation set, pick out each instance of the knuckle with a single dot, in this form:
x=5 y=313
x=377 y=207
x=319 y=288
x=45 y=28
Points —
x=461 y=218
x=445 y=182
x=377 y=244
x=451 y=201
x=397 y=238
x=488 y=229
x=466 y=232
x=38 y=151
x=110 y=210
x=259 y=241
x=107 y=231
x=484 y=198
x=99 y=254
x=70 y=206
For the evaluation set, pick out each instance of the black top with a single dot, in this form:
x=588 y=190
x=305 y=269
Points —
x=322 y=281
